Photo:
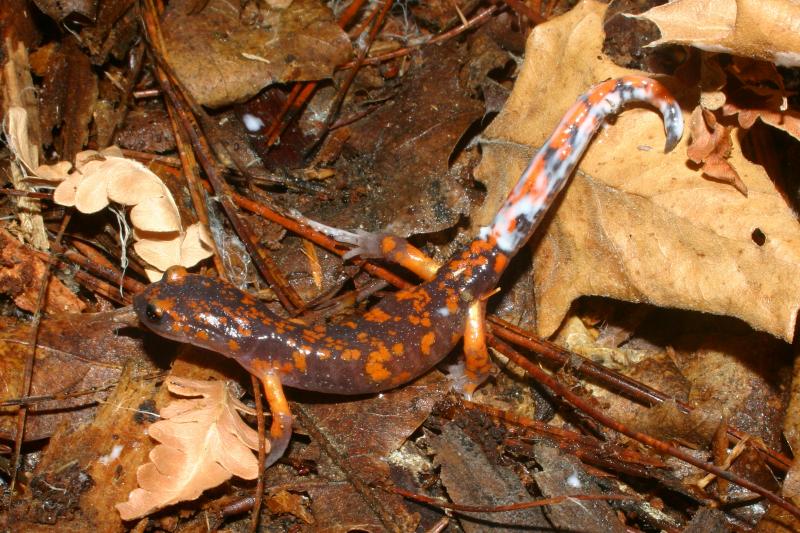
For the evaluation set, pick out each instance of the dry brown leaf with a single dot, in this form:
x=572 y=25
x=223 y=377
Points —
x=285 y=502
x=636 y=224
x=21 y=275
x=710 y=146
x=203 y=443
x=769 y=110
x=761 y=29
x=301 y=42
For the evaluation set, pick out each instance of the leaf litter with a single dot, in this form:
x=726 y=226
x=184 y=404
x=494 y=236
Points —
x=664 y=232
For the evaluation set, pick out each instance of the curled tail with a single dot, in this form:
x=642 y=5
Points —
x=550 y=168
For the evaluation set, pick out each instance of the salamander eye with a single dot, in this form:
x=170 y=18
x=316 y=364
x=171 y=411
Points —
x=153 y=313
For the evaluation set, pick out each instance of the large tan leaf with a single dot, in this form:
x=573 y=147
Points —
x=761 y=29
x=203 y=443
x=636 y=224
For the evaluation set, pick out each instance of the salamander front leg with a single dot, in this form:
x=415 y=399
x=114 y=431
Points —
x=476 y=355
x=280 y=432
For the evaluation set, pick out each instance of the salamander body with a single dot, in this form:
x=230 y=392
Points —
x=409 y=331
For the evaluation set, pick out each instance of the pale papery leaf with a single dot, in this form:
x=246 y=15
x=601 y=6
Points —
x=93 y=164
x=57 y=173
x=66 y=190
x=132 y=182
x=169 y=462
x=191 y=387
x=195 y=247
x=162 y=253
x=156 y=214
x=760 y=29
x=106 y=176
x=153 y=274
x=636 y=224
x=91 y=194
x=203 y=442
x=17 y=136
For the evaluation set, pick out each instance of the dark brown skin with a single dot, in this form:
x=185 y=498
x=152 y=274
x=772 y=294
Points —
x=400 y=338
x=409 y=331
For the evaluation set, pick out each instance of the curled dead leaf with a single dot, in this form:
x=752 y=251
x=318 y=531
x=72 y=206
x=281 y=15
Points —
x=751 y=103
x=203 y=442
x=710 y=146
x=635 y=224
x=760 y=29
x=165 y=249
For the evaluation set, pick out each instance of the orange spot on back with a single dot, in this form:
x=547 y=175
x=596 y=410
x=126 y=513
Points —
x=351 y=354
x=299 y=361
x=374 y=366
x=376 y=314
x=427 y=342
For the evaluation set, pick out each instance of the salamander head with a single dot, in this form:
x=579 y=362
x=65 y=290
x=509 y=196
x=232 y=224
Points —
x=198 y=310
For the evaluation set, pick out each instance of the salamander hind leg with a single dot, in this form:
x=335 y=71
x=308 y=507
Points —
x=280 y=432
x=477 y=364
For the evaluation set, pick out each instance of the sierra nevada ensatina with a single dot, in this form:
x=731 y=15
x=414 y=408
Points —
x=409 y=331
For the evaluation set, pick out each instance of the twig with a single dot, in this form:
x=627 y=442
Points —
x=660 y=446
x=464 y=508
x=478 y=19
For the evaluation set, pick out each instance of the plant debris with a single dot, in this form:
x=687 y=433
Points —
x=644 y=375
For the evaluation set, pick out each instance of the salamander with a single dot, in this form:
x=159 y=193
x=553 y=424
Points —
x=409 y=331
